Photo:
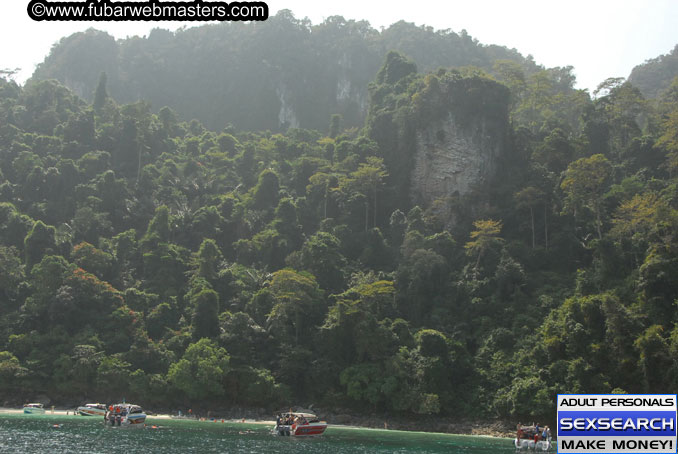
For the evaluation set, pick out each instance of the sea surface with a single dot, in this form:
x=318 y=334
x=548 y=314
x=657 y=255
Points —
x=87 y=434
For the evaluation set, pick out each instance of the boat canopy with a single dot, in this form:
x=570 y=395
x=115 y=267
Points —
x=303 y=415
x=131 y=408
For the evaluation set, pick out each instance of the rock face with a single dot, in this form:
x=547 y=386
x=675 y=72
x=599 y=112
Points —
x=451 y=160
x=287 y=117
x=441 y=135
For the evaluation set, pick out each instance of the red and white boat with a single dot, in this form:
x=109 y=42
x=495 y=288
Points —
x=299 y=424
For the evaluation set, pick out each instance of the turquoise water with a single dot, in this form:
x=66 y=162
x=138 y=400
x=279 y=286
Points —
x=79 y=434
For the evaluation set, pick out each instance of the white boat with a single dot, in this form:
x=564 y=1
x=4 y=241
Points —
x=533 y=438
x=34 y=409
x=125 y=415
x=92 y=410
x=299 y=424
x=523 y=444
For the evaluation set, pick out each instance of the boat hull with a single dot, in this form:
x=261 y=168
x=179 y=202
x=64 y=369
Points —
x=301 y=430
x=136 y=421
x=309 y=430
x=531 y=445
x=34 y=411
x=89 y=411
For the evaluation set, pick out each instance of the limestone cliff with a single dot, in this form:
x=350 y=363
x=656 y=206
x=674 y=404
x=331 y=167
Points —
x=287 y=117
x=452 y=160
x=441 y=135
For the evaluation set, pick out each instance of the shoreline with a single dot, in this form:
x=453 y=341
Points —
x=493 y=429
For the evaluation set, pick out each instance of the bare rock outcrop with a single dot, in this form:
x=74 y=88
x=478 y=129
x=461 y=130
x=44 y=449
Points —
x=452 y=160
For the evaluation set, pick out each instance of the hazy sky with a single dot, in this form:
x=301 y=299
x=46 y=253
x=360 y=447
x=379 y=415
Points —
x=600 y=38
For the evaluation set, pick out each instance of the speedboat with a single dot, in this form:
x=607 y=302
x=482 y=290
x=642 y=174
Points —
x=34 y=409
x=125 y=415
x=532 y=438
x=92 y=410
x=299 y=424
x=523 y=444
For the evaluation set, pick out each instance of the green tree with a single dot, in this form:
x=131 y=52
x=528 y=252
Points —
x=421 y=280
x=92 y=259
x=321 y=256
x=395 y=68
x=654 y=357
x=528 y=198
x=266 y=191
x=11 y=373
x=206 y=314
x=86 y=360
x=584 y=184
x=513 y=75
x=364 y=383
x=159 y=227
x=39 y=242
x=637 y=215
x=320 y=185
x=623 y=107
x=113 y=376
x=368 y=178
x=555 y=151
x=668 y=140
x=209 y=256
x=162 y=318
x=335 y=125
x=483 y=238
x=199 y=374
x=298 y=305
x=11 y=274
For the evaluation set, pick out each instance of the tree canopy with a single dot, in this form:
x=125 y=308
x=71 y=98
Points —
x=186 y=263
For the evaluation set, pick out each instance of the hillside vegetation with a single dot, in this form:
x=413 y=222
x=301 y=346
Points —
x=656 y=75
x=156 y=259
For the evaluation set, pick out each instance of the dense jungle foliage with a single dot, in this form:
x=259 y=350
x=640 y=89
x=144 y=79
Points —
x=152 y=258
x=654 y=76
